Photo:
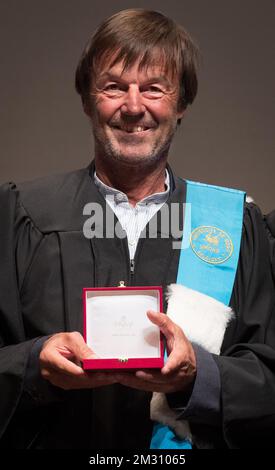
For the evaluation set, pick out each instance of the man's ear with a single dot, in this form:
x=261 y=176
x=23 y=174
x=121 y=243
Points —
x=180 y=115
x=86 y=107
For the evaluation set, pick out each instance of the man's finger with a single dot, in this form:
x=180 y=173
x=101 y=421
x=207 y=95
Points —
x=153 y=377
x=174 y=362
x=161 y=320
x=54 y=360
x=78 y=346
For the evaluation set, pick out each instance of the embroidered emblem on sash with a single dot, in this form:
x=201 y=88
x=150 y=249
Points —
x=211 y=244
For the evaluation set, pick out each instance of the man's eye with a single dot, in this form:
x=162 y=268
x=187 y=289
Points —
x=153 y=91
x=113 y=88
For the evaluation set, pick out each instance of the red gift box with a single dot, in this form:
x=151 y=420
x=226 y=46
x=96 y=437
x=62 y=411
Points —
x=118 y=330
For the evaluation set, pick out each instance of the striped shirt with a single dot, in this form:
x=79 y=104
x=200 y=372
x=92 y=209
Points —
x=133 y=219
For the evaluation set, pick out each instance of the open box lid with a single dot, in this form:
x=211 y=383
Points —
x=117 y=329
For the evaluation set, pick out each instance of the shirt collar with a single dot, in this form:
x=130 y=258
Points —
x=119 y=196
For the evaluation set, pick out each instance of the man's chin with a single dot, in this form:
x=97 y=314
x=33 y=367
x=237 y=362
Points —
x=134 y=159
x=130 y=154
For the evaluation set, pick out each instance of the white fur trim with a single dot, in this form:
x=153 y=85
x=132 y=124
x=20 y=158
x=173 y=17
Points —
x=249 y=199
x=162 y=413
x=203 y=320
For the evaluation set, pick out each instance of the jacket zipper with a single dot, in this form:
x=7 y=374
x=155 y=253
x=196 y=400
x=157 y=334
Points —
x=133 y=261
x=132 y=267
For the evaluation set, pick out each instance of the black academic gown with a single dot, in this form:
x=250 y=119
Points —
x=270 y=224
x=45 y=263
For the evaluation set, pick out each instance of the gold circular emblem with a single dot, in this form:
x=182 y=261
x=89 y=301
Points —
x=211 y=244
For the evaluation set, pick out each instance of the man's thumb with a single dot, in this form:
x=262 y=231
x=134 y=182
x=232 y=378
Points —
x=87 y=353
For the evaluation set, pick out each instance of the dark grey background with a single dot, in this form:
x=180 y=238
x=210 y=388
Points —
x=227 y=136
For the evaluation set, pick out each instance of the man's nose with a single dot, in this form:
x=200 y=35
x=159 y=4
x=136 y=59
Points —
x=133 y=104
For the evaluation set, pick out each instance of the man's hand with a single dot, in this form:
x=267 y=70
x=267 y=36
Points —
x=178 y=373
x=60 y=360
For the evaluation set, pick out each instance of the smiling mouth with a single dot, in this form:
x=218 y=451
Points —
x=133 y=130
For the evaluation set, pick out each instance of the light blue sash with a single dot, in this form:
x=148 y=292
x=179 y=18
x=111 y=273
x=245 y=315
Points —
x=209 y=258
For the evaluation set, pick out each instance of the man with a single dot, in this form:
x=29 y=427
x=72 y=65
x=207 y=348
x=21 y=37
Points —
x=136 y=77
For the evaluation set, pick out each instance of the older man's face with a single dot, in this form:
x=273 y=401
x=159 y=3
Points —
x=134 y=114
